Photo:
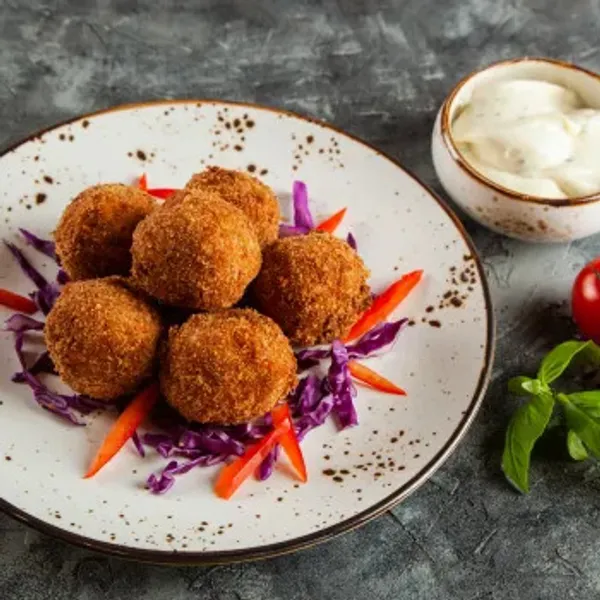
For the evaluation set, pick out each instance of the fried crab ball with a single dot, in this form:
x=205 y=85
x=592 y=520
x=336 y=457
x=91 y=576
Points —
x=199 y=252
x=102 y=337
x=93 y=237
x=313 y=286
x=254 y=198
x=227 y=367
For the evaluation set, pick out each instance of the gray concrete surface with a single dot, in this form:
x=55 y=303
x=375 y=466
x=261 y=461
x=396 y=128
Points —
x=378 y=69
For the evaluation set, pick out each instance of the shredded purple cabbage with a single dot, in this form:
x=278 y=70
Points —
x=164 y=481
x=38 y=279
x=192 y=443
x=161 y=442
x=61 y=277
x=377 y=339
x=43 y=364
x=352 y=242
x=302 y=214
x=211 y=441
x=21 y=324
x=202 y=446
x=251 y=432
x=314 y=400
x=311 y=357
x=66 y=406
x=340 y=386
x=46 y=297
x=265 y=469
x=47 y=293
x=138 y=444
x=209 y=445
x=316 y=417
x=47 y=247
x=310 y=404
x=303 y=219
x=306 y=395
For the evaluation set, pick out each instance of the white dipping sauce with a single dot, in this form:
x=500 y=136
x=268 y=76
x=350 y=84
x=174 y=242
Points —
x=532 y=137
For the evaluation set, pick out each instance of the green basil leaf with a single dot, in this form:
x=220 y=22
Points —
x=526 y=426
x=575 y=446
x=558 y=359
x=516 y=385
x=585 y=426
x=589 y=402
x=590 y=356
x=535 y=387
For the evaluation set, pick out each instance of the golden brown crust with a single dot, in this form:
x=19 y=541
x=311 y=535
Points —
x=254 y=198
x=314 y=286
x=227 y=367
x=93 y=237
x=102 y=337
x=198 y=253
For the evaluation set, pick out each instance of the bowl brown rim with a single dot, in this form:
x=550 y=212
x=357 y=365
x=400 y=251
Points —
x=456 y=155
x=182 y=558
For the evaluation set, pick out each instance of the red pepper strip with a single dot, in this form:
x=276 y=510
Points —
x=143 y=182
x=124 y=428
x=163 y=193
x=235 y=473
x=375 y=380
x=330 y=225
x=384 y=304
x=289 y=442
x=16 y=302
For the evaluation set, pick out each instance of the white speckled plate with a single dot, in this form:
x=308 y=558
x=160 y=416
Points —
x=443 y=360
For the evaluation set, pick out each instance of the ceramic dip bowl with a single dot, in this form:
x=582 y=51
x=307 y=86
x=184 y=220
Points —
x=509 y=212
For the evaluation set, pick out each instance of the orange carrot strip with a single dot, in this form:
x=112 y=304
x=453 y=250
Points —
x=384 y=304
x=330 y=225
x=129 y=420
x=289 y=442
x=16 y=302
x=235 y=473
x=143 y=182
x=373 y=379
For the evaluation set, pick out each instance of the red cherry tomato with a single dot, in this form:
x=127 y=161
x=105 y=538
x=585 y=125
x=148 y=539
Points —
x=586 y=300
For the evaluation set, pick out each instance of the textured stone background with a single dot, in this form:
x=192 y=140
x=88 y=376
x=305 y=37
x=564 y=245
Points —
x=379 y=69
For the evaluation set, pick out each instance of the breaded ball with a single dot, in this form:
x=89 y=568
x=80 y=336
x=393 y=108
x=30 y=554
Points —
x=254 y=198
x=313 y=286
x=93 y=237
x=227 y=367
x=102 y=337
x=198 y=253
